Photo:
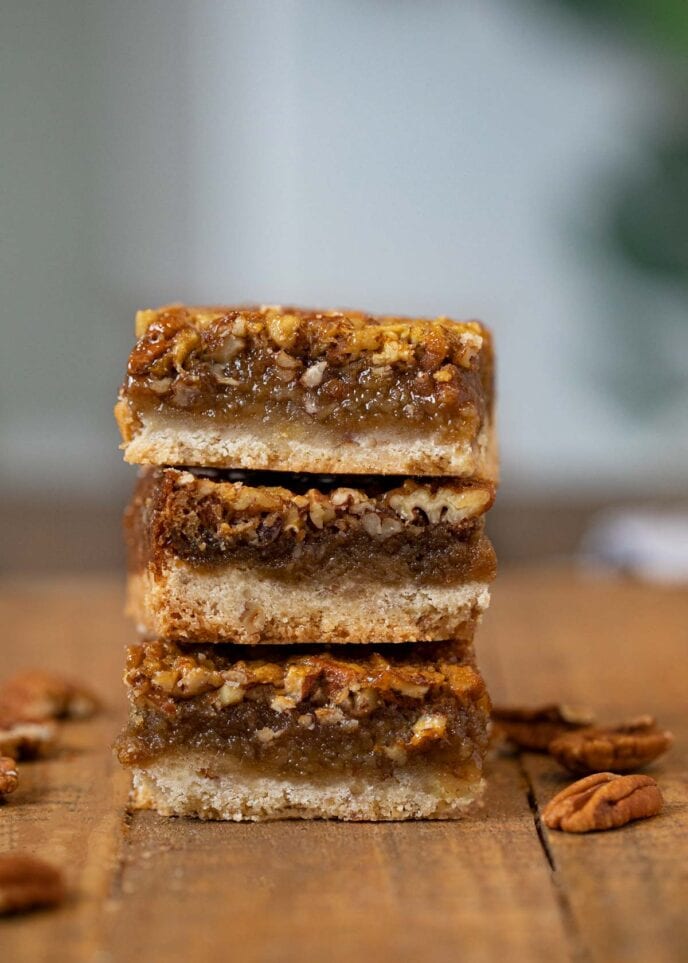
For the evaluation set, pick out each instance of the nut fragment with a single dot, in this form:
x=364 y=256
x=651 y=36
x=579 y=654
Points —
x=230 y=695
x=281 y=703
x=396 y=753
x=299 y=681
x=329 y=715
x=37 y=695
x=372 y=524
x=28 y=883
x=534 y=729
x=313 y=375
x=428 y=728
x=409 y=688
x=166 y=679
x=9 y=778
x=196 y=680
x=603 y=801
x=621 y=748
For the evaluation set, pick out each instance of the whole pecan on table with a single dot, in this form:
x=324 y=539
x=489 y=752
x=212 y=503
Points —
x=26 y=740
x=28 y=883
x=534 y=729
x=622 y=748
x=603 y=801
x=37 y=695
x=9 y=777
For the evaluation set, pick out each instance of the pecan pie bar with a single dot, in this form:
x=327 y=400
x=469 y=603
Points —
x=319 y=391
x=351 y=733
x=257 y=557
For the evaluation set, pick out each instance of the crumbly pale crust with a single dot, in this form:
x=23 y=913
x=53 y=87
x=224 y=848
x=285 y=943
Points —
x=244 y=606
x=162 y=438
x=178 y=787
x=273 y=388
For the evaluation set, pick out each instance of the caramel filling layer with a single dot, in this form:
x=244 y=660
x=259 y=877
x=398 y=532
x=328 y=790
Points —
x=446 y=735
x=387 y=529
x=308 y=713
x=344 y=371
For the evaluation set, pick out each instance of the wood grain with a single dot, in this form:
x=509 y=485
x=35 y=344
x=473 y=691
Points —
x=489 y=888
x=621 y=648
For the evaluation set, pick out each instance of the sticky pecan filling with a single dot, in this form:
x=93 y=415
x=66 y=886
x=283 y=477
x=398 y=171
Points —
x=312 y=526
x=311 y=713
x=340 y=371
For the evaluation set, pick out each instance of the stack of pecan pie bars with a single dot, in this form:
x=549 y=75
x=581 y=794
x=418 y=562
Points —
x=307 y=563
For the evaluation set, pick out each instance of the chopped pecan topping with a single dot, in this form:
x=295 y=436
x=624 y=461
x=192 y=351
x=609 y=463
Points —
x=9 y=778
x=603 y=801
x=621 y=748
x=534 y=729
x=27 y=883
x=298 y=526
x=245 y=508
x=169 y=335
x=163 y=673
x=37 y=695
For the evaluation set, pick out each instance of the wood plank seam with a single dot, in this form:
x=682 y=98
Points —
x=116 y=888
x=578 y=949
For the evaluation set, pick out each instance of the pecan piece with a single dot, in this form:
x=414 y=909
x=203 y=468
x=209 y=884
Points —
x=603 y=801
x=534 y=729
x=36 y=695
x=26 y=740
x=27 y=883
x=621 y=748
x=9 y=777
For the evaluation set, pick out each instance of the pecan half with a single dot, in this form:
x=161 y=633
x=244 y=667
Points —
x=603 y=801
x=37 y=695
x=27 y=740
x=534 y=729
x=28 y=883
x=621 y=748
x=9 y=777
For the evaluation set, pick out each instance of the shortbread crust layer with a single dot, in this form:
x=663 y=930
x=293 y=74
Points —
x=295 y=390
x=245 y=607
x=166 y=438
x=189 y=785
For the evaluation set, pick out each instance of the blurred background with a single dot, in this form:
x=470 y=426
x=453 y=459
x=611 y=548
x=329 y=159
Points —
x=521 y=161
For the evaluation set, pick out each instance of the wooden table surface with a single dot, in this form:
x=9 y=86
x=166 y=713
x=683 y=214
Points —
x=493 y=887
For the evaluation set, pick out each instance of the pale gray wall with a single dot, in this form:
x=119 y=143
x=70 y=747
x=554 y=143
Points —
x=403 y=156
